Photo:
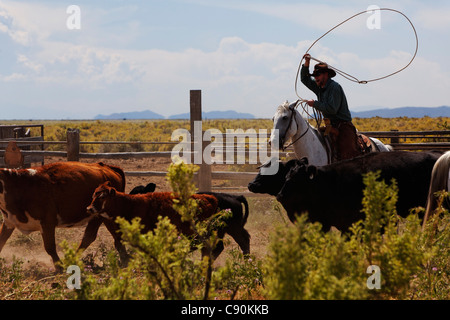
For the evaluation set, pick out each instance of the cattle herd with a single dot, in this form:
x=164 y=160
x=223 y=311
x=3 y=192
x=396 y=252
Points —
x=67 y=194
x=332 y=194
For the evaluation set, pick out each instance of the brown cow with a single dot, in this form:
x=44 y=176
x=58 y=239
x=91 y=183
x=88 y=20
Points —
x=109 y=202
x=55 y=195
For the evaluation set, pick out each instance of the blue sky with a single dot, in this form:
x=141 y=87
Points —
x=243 y=55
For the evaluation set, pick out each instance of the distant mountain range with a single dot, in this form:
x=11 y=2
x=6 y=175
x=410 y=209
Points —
x=147 y=114
x=411 y=112
x=230 y=114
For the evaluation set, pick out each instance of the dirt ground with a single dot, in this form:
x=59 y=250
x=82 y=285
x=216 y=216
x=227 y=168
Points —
x=263 y=218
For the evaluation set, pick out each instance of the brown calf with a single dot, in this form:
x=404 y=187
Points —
x=111 y=203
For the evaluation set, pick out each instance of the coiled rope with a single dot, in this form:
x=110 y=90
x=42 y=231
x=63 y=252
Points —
x=347 y=76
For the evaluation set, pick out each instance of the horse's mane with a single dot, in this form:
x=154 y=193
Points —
x=283 y=107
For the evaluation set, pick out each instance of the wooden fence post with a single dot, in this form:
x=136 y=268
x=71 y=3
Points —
x=196 y=108
x=395 y=139
x=204 y=173
x=73 y=144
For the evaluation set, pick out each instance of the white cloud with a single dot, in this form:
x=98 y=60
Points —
x=431 y=18
x=236 y=73
x=14 y=77
x=7 y=25
x=421 y=84
x=91 y=75
x=317 y=16
x=254 y=77
x=28 y=23
x=36 y=67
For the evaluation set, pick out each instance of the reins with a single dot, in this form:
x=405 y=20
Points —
x=289 y=126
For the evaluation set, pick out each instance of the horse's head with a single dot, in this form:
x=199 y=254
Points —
x=284 y=122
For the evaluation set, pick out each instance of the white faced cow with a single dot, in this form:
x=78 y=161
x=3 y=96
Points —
x=55 y=195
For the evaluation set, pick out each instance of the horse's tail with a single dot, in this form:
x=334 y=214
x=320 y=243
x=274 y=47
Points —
x=439 y=181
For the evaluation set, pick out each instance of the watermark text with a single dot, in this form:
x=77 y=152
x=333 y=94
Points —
x=210 y=147
x=374 y=281
x=74 y=281
x=73 y=21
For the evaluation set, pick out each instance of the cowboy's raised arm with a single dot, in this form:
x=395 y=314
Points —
x=305 y=76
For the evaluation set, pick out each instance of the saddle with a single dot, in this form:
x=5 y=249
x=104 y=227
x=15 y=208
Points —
x=330 y=136
x=365 y=144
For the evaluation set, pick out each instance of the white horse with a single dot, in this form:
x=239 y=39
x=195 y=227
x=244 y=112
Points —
x=440 y=180
x=306 y=140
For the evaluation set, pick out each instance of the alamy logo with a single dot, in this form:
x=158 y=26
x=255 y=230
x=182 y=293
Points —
x=374 y=281
x=374 y=21
x=214 y=151
x=73 y=22
x=74 y=281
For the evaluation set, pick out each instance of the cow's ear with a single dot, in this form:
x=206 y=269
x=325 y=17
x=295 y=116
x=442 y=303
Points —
x=312 y=172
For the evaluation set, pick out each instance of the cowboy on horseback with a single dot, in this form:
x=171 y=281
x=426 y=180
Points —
x=333 y=105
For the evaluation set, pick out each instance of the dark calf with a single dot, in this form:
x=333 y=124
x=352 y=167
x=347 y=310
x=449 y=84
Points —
x=108 y=202
x=141 y=189
x=235 y=223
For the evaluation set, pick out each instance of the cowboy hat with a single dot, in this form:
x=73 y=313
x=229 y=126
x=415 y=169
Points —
x=321 y=68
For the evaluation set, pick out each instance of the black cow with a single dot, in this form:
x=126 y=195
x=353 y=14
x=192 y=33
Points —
x=332 y=194
x=234 y=224
x=272 y=184
x=150 y=187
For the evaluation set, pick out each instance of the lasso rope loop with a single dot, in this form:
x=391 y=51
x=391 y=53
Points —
x=347 y=76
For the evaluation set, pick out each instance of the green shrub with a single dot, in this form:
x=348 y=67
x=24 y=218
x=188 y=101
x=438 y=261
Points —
x=12 y=274
x=305 y=263
x=433 y=281
x=241 y=272
x=160 y=267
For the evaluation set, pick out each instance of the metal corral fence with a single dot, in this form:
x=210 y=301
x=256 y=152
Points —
x=34 y=148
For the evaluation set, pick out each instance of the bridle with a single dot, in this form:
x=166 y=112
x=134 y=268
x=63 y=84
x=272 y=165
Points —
x=292 y=109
